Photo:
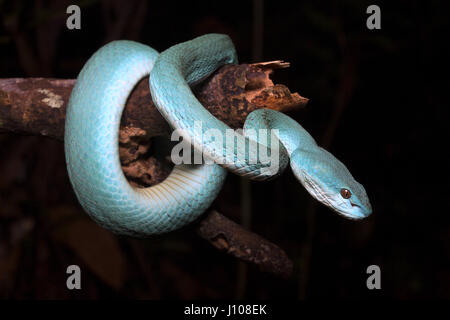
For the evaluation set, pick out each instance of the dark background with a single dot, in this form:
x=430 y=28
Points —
x=377 y=102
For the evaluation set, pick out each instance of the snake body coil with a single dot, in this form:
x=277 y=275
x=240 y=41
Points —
x=91 y=141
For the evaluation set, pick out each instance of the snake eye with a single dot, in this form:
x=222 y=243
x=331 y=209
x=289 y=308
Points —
x=345 y=193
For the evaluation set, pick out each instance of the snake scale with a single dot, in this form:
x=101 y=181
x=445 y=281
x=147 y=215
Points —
x=92 y=148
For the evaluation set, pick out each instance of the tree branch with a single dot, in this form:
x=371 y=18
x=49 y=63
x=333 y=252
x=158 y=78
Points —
x=233 y=239
x=37 y=106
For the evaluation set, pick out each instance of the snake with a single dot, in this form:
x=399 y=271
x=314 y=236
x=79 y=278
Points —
x=91 y=141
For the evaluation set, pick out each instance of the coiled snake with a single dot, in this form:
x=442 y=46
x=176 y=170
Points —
x=91 y=141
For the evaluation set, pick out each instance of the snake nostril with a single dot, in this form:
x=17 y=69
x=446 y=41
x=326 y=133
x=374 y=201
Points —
x=354 y=205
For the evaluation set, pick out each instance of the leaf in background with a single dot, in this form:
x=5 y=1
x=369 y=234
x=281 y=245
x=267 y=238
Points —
x=97 y=247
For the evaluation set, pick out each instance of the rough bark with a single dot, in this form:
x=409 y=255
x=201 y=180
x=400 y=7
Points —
x=231 y=238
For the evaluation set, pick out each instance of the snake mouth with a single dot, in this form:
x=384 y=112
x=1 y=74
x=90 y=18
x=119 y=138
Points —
x=358 y=212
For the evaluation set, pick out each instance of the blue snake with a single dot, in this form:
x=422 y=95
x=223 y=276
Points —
x=92 y=147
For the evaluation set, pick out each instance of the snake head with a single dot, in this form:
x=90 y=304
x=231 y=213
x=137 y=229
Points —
x=329 y=181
